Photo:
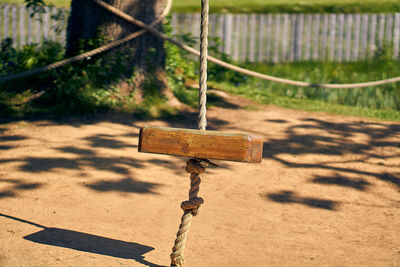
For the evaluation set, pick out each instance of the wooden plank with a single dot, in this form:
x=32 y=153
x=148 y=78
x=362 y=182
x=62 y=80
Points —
x=277 y=35
x=236 y=40
x=396 y=37
x=14 y=25
x=332 y=35
x=269 y=34
x=244 y=39
x=21 y=26
x=285 y=37
x=38 y=28
x=30 y=25
x=221 y=32
x=340 y=41
x=308 y=37
x=389 y=28
x=324 y=36
x=46 y=17
x=349 y=26
x=316 y=37
x=228 y=34
x=252 y=44
x=381 y=31
x=174 y=23
x=364 y=35
x=260 y=38
x=372 y=46
x=5 y=20
x=201 y=144
x=53 y=34
x=356 y=42
x=293 y=37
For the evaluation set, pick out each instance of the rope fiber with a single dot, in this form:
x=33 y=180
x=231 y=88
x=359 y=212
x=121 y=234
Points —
x=150 y=29
x=194 y=166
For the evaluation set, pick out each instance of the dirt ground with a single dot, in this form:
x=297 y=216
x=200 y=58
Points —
x=77 y=193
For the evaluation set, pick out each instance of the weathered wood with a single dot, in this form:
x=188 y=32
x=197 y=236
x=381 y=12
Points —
x=201 y=144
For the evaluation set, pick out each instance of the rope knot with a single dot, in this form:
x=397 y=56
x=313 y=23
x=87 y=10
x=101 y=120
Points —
x=192 y=205
x=196 y=166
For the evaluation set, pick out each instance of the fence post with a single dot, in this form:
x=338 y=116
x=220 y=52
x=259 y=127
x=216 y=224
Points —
x=21 y=26
x=381 y=31
x=5 y=17
x=277 y=35
x=285 y=37
x=236 y=43
x=364 y=36
x=260 y=38
x=252 y=38
x=228 y=34
x=316 y=36
x=324 y=36
x=332 y=35
x=396 y=38
x=372 y=46
x=348 y=36
x=269 y=35
x=340 y=42
x=308 y=37
x=356 y=42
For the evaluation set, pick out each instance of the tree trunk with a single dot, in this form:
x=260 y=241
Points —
x=145 y=55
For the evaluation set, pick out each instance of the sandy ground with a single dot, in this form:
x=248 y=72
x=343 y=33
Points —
x=77 y=193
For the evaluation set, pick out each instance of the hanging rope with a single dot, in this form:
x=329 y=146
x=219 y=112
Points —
x=194 y=166
x=190 y=209
x=203 y=65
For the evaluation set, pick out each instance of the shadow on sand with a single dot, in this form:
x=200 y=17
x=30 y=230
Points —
x=87 y=242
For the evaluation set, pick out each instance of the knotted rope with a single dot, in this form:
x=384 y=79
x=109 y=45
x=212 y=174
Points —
x=194 y=166
x=190 y=209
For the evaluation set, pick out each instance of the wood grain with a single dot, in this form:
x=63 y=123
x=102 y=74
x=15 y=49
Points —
x=201 y=144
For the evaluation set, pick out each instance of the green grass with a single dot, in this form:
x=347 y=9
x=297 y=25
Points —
x=274 y=6
x=379 y=102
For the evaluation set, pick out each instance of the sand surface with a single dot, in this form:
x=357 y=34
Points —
x=77 y=193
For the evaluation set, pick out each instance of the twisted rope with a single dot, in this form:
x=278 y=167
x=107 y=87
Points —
x=239 y=69
x=210 y=58
x=191 y=208
x=91 y=53
x=194 y=166
x=203 y=65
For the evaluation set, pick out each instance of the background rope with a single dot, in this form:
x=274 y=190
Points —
x=196 y=52
x=236 y=68
x=91 y=53
x=190 y=208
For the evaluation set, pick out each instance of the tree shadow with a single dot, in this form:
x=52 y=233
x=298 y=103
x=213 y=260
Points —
x=359 y=184
x=290 y=197
x=379 y=142
x=8 y=139
x=87 y=242
x=127 y=185
x=16 y=186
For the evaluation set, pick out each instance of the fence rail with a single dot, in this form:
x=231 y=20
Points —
x=246 y=37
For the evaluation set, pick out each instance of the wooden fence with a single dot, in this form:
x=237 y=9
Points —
x=246 y=37
x=18 y=23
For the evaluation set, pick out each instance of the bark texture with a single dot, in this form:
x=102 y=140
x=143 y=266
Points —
x=145 y=55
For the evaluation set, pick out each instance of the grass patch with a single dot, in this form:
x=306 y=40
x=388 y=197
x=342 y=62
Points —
x=381 y=102
x=274 y=6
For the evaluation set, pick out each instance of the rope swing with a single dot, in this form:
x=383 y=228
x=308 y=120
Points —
x=194 y=166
